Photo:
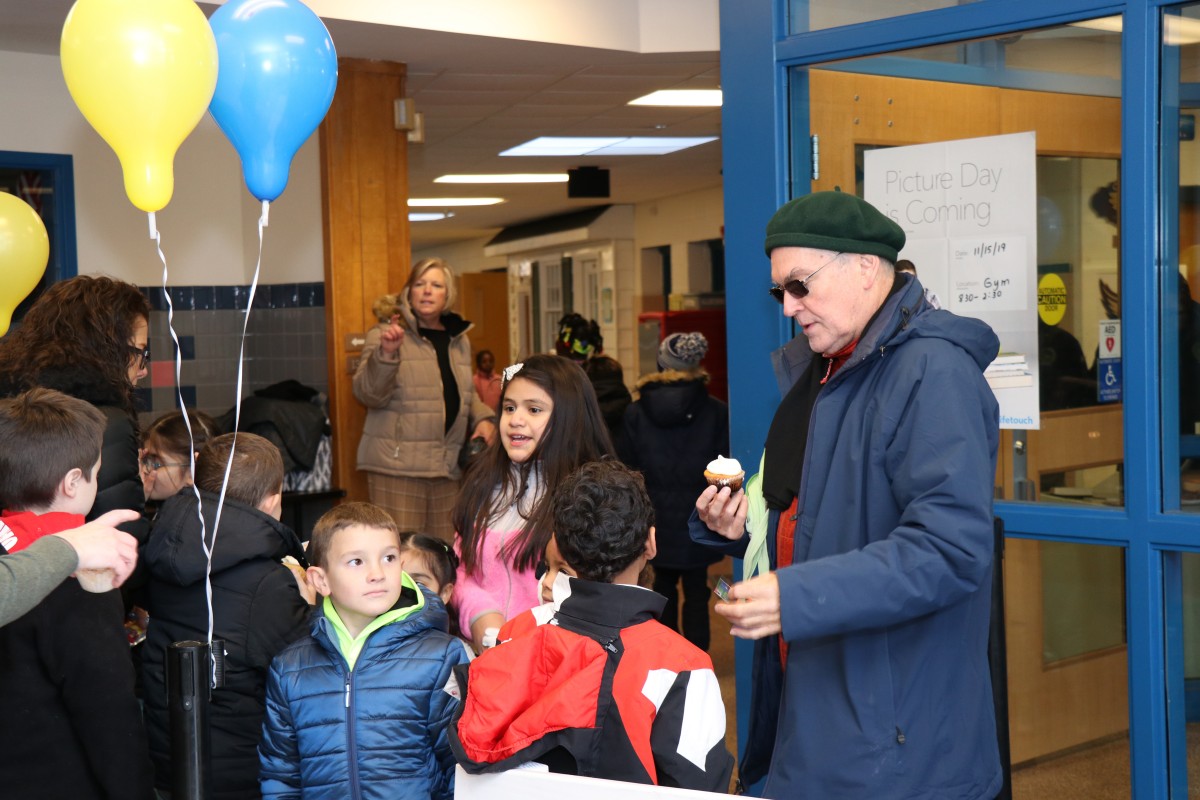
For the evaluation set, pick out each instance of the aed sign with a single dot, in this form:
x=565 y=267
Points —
x=1108 y=363
x=1110 y=339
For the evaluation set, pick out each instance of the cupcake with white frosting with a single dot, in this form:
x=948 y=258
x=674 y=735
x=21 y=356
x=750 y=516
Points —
x=722 y=471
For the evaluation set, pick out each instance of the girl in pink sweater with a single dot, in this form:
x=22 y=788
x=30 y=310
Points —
x=550 y=424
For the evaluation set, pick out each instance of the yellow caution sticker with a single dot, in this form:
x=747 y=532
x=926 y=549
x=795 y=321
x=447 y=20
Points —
x=1052 y=298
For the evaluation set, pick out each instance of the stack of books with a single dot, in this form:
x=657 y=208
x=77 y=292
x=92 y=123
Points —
x=1008 y=371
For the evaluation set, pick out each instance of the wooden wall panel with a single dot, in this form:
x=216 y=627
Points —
x=364 y=188
x=1066 y=125
x=848 y=109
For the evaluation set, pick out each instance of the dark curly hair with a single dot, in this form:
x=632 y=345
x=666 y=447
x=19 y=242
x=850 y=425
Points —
x=602 y=519
x=75 y=338
x=575 y=435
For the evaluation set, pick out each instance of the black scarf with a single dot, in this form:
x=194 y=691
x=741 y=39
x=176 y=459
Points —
x=783 y=464
x=788 y=437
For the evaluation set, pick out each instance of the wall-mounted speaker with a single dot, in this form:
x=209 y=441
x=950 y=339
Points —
x=587 y=182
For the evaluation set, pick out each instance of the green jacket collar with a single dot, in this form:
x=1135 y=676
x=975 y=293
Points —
x=351 y=646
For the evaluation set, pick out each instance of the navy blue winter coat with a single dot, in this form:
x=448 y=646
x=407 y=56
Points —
x=886 y=606
x=670 y=434
x=375 y=733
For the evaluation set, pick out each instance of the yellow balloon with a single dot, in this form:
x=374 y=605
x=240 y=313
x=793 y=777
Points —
x=24 y=252
x=143 y=73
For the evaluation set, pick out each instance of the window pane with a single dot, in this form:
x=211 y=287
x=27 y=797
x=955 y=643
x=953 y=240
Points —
x=1084 y=600
x=1067 y=670
x=37 y=186
x=815 y=15
x=1063 y=84
x=1181 y=261
x=1186 y=726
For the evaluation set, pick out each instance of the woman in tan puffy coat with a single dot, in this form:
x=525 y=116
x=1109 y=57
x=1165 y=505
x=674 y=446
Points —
x=415 y=378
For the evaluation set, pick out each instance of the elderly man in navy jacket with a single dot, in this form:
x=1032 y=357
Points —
x=877 y=480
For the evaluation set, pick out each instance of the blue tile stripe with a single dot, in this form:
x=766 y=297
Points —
x=235 y=298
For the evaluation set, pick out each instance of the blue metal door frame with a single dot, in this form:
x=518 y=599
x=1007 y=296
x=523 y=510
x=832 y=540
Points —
x=61 y=168
x=760 y=112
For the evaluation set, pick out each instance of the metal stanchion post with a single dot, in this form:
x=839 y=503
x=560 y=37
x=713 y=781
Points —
x=189 y=671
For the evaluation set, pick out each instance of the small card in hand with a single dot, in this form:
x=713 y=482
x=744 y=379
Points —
x=722 y=590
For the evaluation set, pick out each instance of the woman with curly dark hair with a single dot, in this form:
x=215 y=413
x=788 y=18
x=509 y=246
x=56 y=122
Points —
x=88 y=337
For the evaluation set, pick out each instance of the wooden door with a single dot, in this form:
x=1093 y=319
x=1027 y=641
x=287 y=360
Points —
x=483 y=299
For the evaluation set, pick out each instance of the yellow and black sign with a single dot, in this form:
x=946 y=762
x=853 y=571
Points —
x=1052 y=299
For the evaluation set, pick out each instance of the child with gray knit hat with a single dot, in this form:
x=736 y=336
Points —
x=682 y=351
x=670 y=434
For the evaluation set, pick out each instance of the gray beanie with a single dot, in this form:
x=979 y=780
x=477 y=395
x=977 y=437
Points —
x=682 y=351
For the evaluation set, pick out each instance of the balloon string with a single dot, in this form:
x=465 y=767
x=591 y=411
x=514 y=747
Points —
x=188 y=424
x=237 y=406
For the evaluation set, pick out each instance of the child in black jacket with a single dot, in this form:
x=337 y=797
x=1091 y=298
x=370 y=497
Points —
x=257 y=606
x=671 y=432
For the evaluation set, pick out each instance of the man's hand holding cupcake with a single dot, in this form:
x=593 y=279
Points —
x=722 y=506
x=722 y=471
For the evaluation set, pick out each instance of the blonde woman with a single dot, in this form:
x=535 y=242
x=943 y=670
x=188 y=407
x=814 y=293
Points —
x=415 y=378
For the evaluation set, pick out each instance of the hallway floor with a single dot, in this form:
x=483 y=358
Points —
x=1096 y=772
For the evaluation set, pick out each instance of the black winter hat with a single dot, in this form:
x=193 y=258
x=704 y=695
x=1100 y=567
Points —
x=835 y=221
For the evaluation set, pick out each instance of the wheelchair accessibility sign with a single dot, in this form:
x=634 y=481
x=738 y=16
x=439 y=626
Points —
x=1108 y=363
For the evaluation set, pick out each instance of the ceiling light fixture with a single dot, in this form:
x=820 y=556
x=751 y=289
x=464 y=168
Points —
x=611 y=146
x=1177 y=31
x=562 y=145
x=446 y=202
x=515 y=177
x=655 y=145
x=689 y=98
x=429 y=216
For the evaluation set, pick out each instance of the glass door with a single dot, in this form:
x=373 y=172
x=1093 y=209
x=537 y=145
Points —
x=1064 y=602
x=1097 y=498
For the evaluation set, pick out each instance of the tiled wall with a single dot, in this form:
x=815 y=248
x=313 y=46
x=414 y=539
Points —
x=285 y=339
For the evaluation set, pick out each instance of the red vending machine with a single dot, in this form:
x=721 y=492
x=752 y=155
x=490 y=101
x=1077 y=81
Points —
x=653 y=326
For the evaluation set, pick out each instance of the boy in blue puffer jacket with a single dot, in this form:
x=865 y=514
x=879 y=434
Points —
x=360 y=707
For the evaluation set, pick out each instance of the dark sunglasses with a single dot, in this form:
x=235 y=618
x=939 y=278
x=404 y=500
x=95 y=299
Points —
x=799 y=289
x=140 y=352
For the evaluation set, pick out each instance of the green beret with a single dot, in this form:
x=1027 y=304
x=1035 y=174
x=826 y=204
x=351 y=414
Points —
x=836 y=221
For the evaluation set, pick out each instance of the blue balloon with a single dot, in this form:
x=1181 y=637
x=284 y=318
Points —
x=276 y=75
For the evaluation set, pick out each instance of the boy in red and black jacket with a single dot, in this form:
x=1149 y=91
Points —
x=72 y=726
x=605 y=690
